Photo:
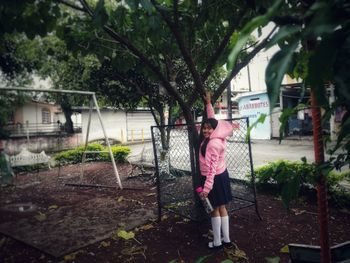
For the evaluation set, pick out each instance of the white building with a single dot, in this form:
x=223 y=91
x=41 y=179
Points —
x=120 y=125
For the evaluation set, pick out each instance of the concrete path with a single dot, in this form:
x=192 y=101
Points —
x=263 y=151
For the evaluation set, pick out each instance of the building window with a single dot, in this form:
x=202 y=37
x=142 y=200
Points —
x=46 y=116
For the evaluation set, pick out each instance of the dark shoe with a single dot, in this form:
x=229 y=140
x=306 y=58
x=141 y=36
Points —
x=212 y=247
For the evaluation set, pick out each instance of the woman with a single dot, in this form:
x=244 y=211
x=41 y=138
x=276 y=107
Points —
x=216 y=183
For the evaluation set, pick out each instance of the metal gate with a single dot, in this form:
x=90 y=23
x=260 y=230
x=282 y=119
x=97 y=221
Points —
x=173 y=168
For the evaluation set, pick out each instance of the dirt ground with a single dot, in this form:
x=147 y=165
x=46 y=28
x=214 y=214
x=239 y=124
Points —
x=42 y=219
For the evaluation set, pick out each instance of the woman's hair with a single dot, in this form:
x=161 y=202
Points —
x=213 y=123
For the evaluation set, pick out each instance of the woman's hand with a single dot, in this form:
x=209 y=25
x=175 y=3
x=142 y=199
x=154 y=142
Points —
x=203 y=195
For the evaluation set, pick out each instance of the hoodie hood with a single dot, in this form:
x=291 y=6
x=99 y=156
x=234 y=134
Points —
x=222 y=130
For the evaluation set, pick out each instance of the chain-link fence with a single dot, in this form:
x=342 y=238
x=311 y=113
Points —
x=173 y=167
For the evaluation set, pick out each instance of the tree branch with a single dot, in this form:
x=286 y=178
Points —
x=126 y=44
x=217 y=53
x=71 y=5
x=241 y=65
x=174 y=27
x=86 y=7
x=147 y=62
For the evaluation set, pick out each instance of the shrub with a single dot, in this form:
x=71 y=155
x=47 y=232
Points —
x=75 y=155
x=338 y=193
x=119 y=152
x=289 y=177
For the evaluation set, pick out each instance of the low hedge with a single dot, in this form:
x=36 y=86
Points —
x=289 y=177
x=75 y=155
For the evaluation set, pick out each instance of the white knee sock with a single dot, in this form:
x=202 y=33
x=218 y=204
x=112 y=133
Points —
x=225 y=229
x=216 y=225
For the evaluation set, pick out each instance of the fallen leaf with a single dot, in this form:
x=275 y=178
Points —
x=120 y=199
x=41 y=217
x=151 y=194
x=298 y=212
x=69 y=257
x=146 y=227
x=285 y=249
x=134 y=251
x=105 y=244
x=53 y=207
x=126 y=235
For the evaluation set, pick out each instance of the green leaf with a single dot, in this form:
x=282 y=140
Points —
x=319 y=71
x=100 y=17
x=344 y=132
x=286 y=114
x=283 y=33
x=146 y=4
x=261 y=119
x=132 y=3
x=202 y=259
x=248 y=29
x=275 y=71
x=285 y=249
x=227 y=261
x=323 y=19
x=290 y=190
x=126 y=235
x=272 y=260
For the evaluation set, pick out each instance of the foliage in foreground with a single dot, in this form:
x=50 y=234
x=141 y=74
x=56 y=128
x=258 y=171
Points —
x=75 y=155
x=291 y=177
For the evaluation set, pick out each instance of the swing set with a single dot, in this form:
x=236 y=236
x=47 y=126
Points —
x=26 y=157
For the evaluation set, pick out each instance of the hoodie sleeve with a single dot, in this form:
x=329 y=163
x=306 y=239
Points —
x=212 y=158
x=210 y=111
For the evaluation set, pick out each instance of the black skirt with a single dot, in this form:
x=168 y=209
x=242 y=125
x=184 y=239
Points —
x=221 y=192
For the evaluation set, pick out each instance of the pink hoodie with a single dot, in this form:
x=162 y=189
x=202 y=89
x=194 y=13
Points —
x=214 y=161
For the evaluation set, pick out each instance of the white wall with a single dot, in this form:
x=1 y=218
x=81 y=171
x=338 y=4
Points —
x=257 y=67
x=31 y=113
x=118 y=125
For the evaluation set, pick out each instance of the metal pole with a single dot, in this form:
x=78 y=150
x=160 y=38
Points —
x=331 y=121
x=108 y=144
x=322 y=206
x=229 y=102
x=86 y=140
x=50 y=90
x=249 y=84
x=159 y=200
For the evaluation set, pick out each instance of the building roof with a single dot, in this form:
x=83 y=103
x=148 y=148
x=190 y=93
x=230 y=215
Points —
x=248 y=94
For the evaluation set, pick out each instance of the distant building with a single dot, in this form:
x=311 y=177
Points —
x=121 y=125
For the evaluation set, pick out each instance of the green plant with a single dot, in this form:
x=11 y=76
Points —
x=289 y=177
x=119 y=152
x=339 y=195
x=75 y=155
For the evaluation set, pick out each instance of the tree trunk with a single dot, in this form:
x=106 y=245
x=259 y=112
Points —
x=322 y=204
x=68 y=126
